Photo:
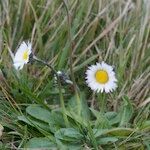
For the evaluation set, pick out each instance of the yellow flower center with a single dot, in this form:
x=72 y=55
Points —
x=25 y=55
x=101 y=76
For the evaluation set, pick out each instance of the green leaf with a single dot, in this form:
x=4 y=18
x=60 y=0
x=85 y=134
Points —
x=113 y=132
x=85 y=113
x=126 y=111
x=40 y=142
x=57 y=118
x=102 y=121
x=120 y=132
x=112 y=117
x=57 y=121
x=77 y=119
x=68 y=145
x=115 y=120
x=69 y=134
x=106 y=140
x=99 y=132
x=39 y=113
x=34 y=122
x=24 y=119
x=145 y=125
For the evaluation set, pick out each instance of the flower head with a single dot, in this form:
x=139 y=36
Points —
x=101 y=78
x=22 y=55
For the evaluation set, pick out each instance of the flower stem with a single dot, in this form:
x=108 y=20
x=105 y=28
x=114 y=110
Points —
x=102 y=102
x=71 y=58
x=59 y=86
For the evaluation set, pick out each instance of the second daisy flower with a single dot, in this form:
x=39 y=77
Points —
x=101 y=78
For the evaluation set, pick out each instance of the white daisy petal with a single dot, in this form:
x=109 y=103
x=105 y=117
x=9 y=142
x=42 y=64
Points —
x=22 y=55
x=101 y=78
x=18 y=66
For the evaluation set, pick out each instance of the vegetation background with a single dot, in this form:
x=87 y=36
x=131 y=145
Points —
x=75 y=34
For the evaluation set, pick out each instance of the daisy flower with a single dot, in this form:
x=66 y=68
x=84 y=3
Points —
x=22 y=55
x=101 y=78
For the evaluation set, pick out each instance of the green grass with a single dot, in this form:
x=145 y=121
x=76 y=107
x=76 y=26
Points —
x=71 y=35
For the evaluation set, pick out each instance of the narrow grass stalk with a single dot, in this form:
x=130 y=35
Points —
x=71 y=58
x=59 y=86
